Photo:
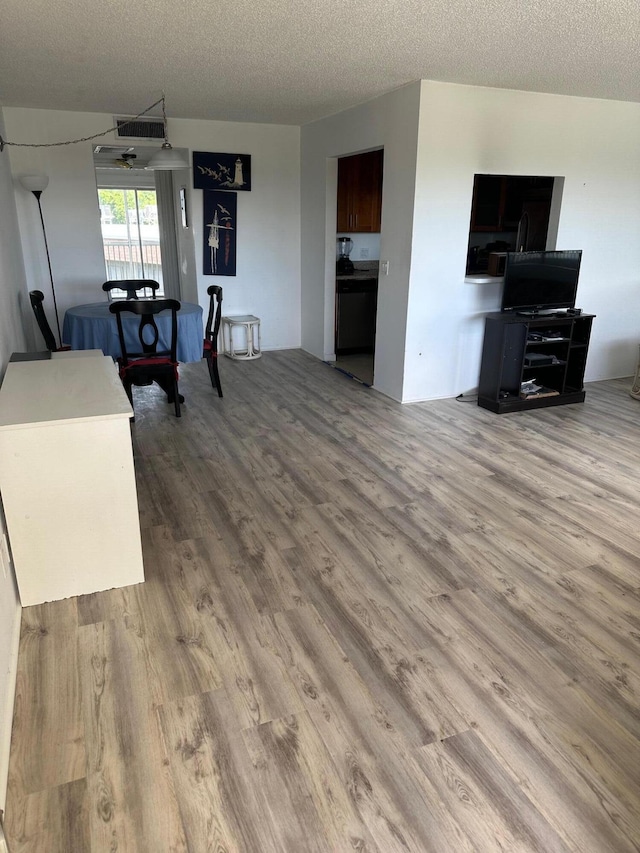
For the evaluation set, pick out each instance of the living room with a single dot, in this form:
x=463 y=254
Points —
x=436 y=136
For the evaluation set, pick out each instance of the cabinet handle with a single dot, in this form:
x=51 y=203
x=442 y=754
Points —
x=356 y=225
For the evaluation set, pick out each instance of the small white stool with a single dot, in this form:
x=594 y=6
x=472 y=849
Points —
x=251 y=326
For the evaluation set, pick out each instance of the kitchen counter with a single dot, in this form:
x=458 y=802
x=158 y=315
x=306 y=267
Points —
x=358 y=276
x=362 y=270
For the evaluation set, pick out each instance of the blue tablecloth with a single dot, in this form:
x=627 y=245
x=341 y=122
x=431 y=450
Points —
x=94 y=327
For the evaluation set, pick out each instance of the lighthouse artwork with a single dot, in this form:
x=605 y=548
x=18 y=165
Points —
x=220 y=214
x=221 y=171
x=237 y=178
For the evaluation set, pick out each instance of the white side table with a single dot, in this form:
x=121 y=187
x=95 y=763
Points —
x=250 y=347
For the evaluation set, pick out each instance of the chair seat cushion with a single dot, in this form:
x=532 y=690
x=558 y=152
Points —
x=146 y=363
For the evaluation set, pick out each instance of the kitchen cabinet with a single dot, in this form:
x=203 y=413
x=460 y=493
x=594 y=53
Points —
x=487 y=208
x=360 y=193
x=500 y=200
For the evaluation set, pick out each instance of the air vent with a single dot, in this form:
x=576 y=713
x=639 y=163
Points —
x=140 y=128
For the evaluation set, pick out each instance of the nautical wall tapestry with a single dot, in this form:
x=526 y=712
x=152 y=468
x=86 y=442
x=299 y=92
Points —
x=220 y=220
x=221 y=171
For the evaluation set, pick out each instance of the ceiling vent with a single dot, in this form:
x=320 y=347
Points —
x=139 y=128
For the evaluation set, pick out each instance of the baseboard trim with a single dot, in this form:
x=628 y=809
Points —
x=7 y=712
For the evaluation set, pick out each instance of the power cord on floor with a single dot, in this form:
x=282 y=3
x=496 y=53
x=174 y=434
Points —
x=467 y=398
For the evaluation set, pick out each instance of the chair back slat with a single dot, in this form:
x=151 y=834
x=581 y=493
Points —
x=148 y=321
x=210 y=346
x=215 y=313
x=36 y=298
x=132 y=286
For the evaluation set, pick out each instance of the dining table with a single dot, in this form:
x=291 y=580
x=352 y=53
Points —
x=93 y=326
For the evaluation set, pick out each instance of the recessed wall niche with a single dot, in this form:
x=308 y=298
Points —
x=511 y=213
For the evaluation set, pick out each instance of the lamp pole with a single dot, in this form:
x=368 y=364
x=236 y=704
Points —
x=36 y=184
x=37 y=194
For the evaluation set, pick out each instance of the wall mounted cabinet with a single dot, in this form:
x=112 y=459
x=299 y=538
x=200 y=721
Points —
x=509 y=213
x=360 y=193
x=500 y=200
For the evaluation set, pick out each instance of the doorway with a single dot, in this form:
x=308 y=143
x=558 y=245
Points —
x=358 y=225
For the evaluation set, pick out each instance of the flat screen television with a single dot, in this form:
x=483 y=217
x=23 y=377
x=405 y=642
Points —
x=541 y=281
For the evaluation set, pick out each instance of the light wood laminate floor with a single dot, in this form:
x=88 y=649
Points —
x=358 y=366
x=365 y=627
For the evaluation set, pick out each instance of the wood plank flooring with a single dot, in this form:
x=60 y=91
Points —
x=365 y=627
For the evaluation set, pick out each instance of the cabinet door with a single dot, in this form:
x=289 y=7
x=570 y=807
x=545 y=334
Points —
x=360 y=193
x=488 y=203
x=345 y=181
x=367 y=193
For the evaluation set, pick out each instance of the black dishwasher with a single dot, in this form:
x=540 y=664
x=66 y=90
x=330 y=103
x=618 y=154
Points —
x=356 y=301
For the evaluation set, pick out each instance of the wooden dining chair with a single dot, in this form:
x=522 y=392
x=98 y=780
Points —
x=210 y=350
x=149 y=363
x=36 y=298
x=132 y=286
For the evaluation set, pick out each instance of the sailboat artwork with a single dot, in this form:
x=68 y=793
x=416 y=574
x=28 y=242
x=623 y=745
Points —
x=219 y=218
x=221 y=171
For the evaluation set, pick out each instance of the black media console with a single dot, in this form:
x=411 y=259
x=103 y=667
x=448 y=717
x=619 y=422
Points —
x=546 y=350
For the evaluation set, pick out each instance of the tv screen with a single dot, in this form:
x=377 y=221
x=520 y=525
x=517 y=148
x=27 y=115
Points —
x=541 y=281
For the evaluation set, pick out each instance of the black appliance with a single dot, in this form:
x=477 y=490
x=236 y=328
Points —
x=541 y=281
x=356 y=301
x=344 y=264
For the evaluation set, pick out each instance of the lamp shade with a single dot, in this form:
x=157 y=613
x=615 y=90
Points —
x=34 y=183
x=168 y=158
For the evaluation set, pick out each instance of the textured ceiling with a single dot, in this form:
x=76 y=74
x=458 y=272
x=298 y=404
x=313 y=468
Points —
x=290 y=62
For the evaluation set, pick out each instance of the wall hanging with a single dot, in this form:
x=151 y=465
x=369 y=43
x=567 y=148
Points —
x=221 y=171
x=220 y=220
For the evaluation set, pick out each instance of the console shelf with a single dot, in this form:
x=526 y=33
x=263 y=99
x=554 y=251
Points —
x=550 y=350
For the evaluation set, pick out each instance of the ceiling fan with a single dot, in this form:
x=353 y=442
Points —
x=107 y=156
x=125 y=161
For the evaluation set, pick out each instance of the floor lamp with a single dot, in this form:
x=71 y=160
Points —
x=37 y=184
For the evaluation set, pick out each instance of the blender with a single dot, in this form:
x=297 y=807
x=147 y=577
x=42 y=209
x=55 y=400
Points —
x=344 y=266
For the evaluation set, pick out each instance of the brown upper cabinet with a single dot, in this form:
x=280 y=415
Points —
x=360 y=193
x=500 y=200
x=509 y=213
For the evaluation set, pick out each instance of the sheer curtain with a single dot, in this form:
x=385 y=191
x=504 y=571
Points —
x=167 y=221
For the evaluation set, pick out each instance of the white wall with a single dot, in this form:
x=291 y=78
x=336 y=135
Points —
x=595 y=145
x=390 y=122
x=13 y=299
x=267 y=282
x=268 y=262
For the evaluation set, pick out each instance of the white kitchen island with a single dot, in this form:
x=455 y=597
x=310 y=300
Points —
x=67 y=478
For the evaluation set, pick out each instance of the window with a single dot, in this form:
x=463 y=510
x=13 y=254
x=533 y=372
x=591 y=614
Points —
x=130 y=234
